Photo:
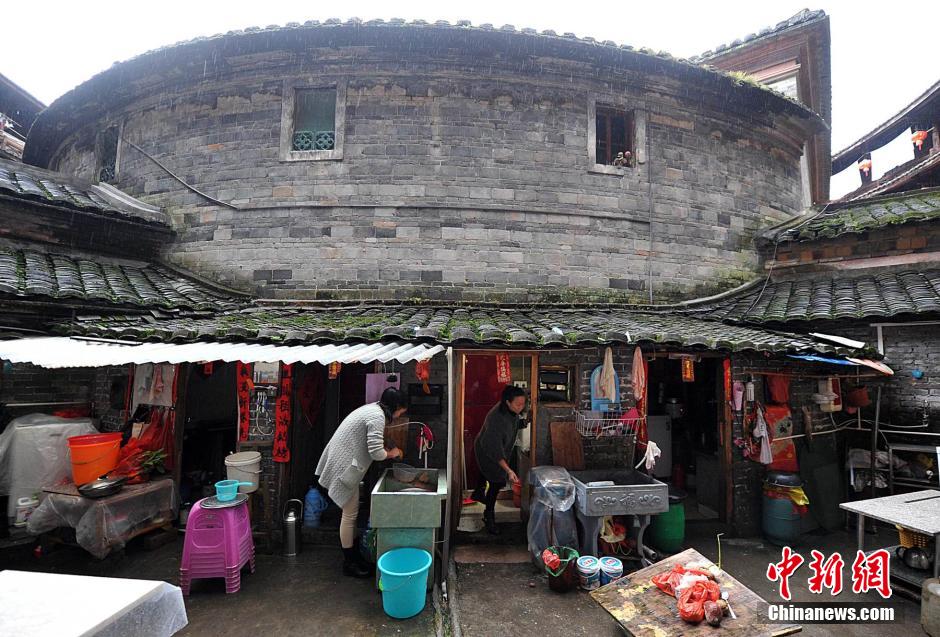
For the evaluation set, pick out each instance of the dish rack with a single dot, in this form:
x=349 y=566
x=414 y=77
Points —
x=611 y=423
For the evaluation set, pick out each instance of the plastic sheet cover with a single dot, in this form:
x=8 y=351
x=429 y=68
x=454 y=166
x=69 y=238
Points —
x=106 y=524
x=552 y=520
x=34 y=453
x=553 y=487
x=83 y=605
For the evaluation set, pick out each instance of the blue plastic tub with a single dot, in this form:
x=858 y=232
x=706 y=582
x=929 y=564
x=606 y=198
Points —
x=403 y=581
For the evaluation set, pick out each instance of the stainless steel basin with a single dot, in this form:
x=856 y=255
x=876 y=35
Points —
x=633 y=493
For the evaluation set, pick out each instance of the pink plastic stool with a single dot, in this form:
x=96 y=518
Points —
x=218 y=544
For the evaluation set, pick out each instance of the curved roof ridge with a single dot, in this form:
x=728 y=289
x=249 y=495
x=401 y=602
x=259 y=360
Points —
x=42 y=134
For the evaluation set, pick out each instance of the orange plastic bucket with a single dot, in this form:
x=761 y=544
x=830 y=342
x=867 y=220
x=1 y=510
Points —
x=93 y=455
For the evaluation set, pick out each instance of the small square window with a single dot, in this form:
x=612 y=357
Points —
x=312 y=123
x=106 y=152
x=557 y=384
x=314 y=119
x=614 y=137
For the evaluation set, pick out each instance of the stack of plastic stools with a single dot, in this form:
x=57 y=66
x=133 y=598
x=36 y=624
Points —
x=218 y=544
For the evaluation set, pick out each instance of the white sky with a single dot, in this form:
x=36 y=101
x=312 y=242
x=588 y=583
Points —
x=883 y=54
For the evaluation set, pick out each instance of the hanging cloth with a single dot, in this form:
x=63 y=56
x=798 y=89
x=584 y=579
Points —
x=778 y=386
x=282 y=415
x=640 y=372
x=243 y=386
x=607 y=379
x=760 y=431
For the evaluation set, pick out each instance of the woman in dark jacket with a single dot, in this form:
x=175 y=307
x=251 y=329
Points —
x=493 y=445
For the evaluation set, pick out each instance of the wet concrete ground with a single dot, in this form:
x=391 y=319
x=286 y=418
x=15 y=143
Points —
x=496 y=595
x=498 y=592
x=303 y=595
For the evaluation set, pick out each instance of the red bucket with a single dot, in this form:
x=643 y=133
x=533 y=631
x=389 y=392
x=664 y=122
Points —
x=93 y=455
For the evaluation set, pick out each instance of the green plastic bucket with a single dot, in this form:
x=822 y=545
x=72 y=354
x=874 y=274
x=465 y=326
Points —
x=403 y=581
x=667 y=530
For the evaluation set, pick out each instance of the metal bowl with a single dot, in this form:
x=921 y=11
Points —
x=102 y=487
x=784 y=479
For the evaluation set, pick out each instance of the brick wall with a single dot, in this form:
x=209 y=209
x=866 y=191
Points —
x=458 y=180
x=104 y=377
x=885 y=242
x=25 y=383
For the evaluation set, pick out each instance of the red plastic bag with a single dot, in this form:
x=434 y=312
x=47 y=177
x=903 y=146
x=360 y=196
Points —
x=159 y=434
x=129 y=462
x=667 y=582
x=691 y=600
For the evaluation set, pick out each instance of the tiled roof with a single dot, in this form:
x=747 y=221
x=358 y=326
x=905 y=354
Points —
x=36 y=184
x=799 y=19
x=923 y=104
x=861 y=216
x=901 y=177
x=81 y=105
x=831 y=296
x=26 y=273
x=532 y=327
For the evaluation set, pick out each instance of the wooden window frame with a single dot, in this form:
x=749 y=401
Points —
x=637 y=135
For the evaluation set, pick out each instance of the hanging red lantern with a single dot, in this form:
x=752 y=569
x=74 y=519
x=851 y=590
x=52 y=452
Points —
x=688 y=370
x=919 y=137
x=423 y=373
x=334 y=370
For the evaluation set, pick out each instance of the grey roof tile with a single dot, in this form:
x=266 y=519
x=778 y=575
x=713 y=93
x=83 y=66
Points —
x=830 y=296
x=861 y=216
x=491 y=326
x=36 y=184
x=34 y=273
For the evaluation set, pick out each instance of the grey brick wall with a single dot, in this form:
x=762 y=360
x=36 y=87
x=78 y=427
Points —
x=458 y=180
x=25 y=383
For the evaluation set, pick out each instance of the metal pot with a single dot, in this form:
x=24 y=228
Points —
x=102 y=487
x=784 y=479
x=915 y=557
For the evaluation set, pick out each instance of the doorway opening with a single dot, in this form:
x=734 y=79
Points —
x=686 y=412
x=481 y=392
x=210 y=430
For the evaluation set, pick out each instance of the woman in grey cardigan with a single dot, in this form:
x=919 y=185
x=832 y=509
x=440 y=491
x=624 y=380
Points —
x=359 y=440
x=493 y=447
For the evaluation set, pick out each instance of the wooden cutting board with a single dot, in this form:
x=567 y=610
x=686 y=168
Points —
x=567 y=448
x=645 y=611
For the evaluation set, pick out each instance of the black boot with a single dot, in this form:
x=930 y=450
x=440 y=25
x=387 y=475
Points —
x=479 y=494
x=489 y=521
x=352 y=566
x=363 y=562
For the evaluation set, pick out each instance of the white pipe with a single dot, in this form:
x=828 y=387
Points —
x=448 y=504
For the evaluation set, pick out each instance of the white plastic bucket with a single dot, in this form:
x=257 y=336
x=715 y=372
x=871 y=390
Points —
x=244 y=466
x=589 y=572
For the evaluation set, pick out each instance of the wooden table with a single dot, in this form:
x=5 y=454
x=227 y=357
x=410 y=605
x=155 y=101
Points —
x=645 y=611
x=918 y=511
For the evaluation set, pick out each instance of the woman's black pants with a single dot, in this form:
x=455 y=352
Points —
x=492 y=492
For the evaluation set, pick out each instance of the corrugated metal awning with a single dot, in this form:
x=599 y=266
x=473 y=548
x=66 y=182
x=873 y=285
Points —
x=56 y=352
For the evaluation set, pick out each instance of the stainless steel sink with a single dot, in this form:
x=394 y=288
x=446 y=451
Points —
x=633 y=493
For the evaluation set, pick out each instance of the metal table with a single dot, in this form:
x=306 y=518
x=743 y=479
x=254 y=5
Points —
x=918 y=511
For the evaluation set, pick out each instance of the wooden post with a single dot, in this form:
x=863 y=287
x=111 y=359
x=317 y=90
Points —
x=726 y=439
x=182 y=385
x=534 y=396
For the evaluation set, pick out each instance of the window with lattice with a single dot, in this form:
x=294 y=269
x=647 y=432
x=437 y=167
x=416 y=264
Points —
x=314 y=119
x=107 y=151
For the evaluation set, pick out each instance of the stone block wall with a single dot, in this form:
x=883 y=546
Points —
x=461 y=178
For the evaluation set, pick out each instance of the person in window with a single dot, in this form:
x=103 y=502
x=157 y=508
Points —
x=493 y=447
x=359 y=440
